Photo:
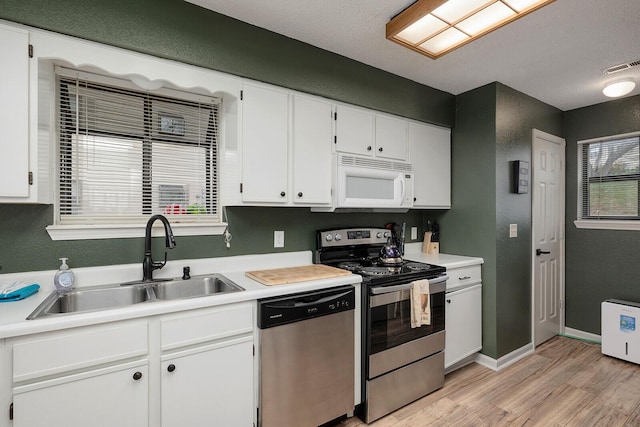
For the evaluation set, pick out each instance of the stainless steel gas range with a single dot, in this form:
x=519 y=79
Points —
x=400 y=363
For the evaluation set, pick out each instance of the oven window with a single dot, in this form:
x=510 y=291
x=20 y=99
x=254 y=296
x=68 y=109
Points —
x=390 y=324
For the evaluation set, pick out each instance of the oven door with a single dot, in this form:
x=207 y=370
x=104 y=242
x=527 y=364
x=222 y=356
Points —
x=391 y=341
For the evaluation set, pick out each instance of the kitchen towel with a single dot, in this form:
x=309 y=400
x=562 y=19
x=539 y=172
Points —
x=15 y=292
x=420 y=303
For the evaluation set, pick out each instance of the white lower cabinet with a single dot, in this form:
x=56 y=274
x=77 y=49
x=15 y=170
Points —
x=212 y=385
x=192 y=368
x=113 y=396
x=463 y=316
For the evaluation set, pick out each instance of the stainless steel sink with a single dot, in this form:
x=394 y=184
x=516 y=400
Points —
x=195 y=287
x=91 y=299
x=123 y=295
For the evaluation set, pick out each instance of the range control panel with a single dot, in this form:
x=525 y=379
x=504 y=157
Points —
x=353 y=236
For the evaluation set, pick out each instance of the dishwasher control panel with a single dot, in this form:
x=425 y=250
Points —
x=306 y=305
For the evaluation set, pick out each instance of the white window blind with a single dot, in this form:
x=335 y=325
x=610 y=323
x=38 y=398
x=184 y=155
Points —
x=125 y=154
x=610 y=170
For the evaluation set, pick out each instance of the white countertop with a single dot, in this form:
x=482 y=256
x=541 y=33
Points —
x=13 y=314
x=413 y=252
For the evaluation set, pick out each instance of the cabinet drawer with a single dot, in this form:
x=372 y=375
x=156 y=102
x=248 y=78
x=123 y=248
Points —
x=463 y=276
x=62 y=351
x=206 y=325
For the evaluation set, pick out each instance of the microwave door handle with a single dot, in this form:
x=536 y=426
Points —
x=402 y=185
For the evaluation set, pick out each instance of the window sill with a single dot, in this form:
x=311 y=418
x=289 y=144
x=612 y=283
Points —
x=601 y=224
x=89 y=232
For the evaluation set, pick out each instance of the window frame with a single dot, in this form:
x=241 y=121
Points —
x=132 y=226
x=603 y=222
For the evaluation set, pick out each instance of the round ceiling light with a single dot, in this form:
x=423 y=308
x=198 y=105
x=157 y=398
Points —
x=619 y=88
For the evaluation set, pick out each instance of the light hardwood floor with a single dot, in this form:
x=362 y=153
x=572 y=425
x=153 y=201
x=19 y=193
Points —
x=567 y=382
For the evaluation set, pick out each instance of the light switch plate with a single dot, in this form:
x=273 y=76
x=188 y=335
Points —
x=513 y=230
x=414 y=233
x=278 y=239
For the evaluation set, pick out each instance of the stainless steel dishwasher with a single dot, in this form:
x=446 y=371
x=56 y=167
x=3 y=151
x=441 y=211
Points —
x=306 y=357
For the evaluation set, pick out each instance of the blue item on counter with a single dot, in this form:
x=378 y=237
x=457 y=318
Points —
x=20 y=293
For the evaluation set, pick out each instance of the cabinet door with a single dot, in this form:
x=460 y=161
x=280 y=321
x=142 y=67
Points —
x=354 y=130
x=264 y=144
x=209 y=386
x=14 y=110
x=464 y=324
x=106 y=397
x=391 y=137
x=312 y=131
x=431 y=158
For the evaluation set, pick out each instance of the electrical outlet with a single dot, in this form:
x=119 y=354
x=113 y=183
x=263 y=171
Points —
x=513 y=230
x=278 y=239
x=414 y=233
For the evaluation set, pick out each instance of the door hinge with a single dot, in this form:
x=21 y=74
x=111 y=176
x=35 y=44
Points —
x=335 y=116
x=241 y=95
x=11 y=411
x=335 y=139
x=30 y=51
x=241 y=187
x=254 y=350
x=30 y=178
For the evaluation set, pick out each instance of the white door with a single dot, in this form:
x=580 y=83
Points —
x=548 y=170
x=391 y=137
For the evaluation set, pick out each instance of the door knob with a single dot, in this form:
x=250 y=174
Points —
x=540 y=252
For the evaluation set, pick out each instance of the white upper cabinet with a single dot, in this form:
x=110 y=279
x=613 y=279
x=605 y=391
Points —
x=14 y=109
x=391 y=137
x=312 y=165
x=265 y=122
x=362 y=131
x=430 y=148
x=354 y=130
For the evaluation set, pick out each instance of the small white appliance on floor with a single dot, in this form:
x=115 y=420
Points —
x=620 y=335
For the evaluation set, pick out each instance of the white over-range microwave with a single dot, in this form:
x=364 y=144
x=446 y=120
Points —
x=372 y=183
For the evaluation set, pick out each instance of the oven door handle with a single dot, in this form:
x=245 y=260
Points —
x=405 y=286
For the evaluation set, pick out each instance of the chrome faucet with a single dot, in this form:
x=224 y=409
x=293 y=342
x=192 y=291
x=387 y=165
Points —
x=148 y=265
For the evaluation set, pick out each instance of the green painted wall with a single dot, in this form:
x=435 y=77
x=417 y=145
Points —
x=177 y=30
x=494 y=126
x=184 y=32
x=600 y=264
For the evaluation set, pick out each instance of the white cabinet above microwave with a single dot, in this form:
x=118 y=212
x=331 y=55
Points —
x=364 y=132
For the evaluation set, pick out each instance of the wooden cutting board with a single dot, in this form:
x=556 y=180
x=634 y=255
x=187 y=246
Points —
x=281 y=276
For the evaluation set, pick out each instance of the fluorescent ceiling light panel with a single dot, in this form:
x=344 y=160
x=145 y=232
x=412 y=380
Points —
x=486 y=18
x=454 y=10
x=436 y=27
x=444 y=40
x=421 y=29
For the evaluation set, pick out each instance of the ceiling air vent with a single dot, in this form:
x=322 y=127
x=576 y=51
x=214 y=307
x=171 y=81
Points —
x=621 y=67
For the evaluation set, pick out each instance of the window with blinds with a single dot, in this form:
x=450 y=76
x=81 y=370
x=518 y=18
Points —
x=125 y=154
x=610 y=178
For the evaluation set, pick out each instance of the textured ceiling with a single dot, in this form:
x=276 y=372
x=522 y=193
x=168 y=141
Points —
x=555 y=54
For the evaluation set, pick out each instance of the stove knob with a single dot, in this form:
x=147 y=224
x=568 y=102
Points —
x=338 y=237
x=329 y=237
x=379 y=235
x=386 y=234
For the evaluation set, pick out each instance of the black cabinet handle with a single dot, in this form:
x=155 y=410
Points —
x=171 y=368
x=137 y=375
x=540 y=252
x=369 y=148
x=282 y=194
x=300 y=194
x=380 y=149
x=448 y=301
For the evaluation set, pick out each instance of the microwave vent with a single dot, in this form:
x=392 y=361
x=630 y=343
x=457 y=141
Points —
x=365 y=162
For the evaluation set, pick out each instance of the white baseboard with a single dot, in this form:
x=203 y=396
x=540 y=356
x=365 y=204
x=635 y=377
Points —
x=576 y=333
x=506 y=360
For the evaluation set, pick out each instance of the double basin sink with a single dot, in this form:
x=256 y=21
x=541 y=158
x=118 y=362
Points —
x=116 y=296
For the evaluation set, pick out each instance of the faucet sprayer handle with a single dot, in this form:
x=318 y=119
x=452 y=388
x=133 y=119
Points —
x=159 y=265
